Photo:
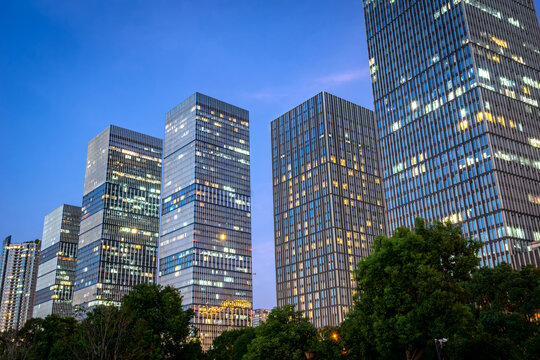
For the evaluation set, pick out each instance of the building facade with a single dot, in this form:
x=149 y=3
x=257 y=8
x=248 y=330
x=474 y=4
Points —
x=120 y=216
x=205 y=243
x=457 y=90
x=328 y=203
x=260 y=316
x=18 y=271
x=57 y=262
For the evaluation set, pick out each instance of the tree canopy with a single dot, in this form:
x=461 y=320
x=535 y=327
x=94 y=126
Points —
x=505 y=304
x=285 y=335
x=156 y=316
x=231 y=345
x=410 y=292
x=418 y=285
x=150 y=324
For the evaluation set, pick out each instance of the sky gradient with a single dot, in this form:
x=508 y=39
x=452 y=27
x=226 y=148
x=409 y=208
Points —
x=68 y=69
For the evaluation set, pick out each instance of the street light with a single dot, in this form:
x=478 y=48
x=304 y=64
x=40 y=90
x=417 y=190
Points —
x=439 y=343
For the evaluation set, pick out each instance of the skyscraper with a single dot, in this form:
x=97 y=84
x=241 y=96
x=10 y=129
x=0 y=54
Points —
x=120 y=216
x=457 y=88
x=18 y=271
x=260 y=316
x=328 y=203
x=57 y=262
x=205 y=243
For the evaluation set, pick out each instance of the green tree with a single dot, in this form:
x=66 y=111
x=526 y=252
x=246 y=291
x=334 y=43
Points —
x=55 y=338
x=410 y=292
x=506 y=290
x=159 y=324
x=330 y=344
x=505 y=303
x=104 y=334
x=241 y=344
x=285 y=335
x=231 y=344
x=17 y=344
x=150 y=324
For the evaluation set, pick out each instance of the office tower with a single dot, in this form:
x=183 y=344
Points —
x=18 y=271
x=457 y=88
x=120 y=216
x=260 y=316
x=205 y=244
x=57 y=262
x=328 y=203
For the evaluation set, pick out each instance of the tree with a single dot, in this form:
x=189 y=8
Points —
x=285 y=335
x=240 y=347
x=104 y=334
x=231 y=345
x=410 y=292
x=9 y=344
x=55 y=338
x=506 y=290
x=17 y=344
x=330 y=344
x=150 y=324
x=505 y=303
x=160 y=325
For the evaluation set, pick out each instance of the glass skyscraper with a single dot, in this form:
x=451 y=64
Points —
x=57 y=262
x=328 y=203
x=120 y=216
x=205 y=243
x=18 y=273
x=457 y=89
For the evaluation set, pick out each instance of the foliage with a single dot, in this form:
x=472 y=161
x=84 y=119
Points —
x=104 y=334
x=410 y=291
x=504 y=290
x=18 y=344
x=231 y=344
x=285 y=335
x=160 y=325
x=417 y=286
x=505 y=304
x=330 y=344
x=55 y=338
x=241 y=344
x=151 y=324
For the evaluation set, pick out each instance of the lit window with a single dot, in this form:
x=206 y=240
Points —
x=483 y=73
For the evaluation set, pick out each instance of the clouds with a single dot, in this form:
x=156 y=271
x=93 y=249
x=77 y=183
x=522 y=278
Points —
x=268 y=95
x=307 y=86
x=345 y=77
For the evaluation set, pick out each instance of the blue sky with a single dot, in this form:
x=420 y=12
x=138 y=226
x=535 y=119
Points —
x=68 y=69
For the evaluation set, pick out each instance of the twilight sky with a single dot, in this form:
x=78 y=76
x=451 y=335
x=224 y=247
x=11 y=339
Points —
x=68 y=69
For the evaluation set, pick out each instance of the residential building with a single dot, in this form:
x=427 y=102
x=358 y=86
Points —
x=328 y=203
x=57 y=262
x=205 y=243
x=18 y=272
x=456 y=86
x=120 y=217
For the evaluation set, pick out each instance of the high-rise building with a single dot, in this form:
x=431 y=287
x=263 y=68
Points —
x=456 y=87
x=119 y=230
x=57 y=262
x=260 y=316
x=328 y=203
x=18 y=272
x=205 y=243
